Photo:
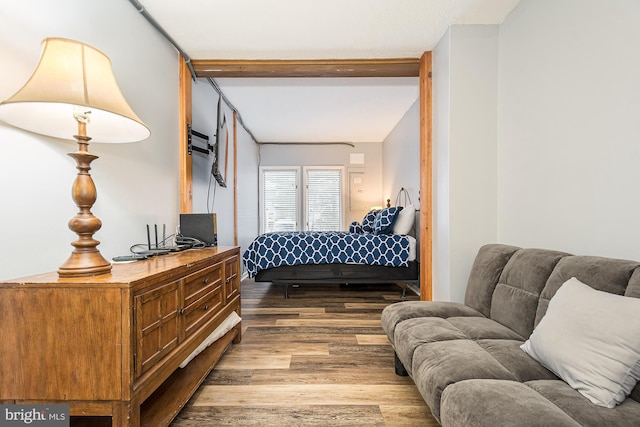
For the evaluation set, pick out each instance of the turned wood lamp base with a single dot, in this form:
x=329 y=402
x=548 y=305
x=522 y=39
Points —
x=85 y=260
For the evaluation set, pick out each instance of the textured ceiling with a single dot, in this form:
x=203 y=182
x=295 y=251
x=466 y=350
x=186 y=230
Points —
x=351 y=109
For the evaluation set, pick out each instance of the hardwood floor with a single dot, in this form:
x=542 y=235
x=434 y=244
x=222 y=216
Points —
x=319 y=358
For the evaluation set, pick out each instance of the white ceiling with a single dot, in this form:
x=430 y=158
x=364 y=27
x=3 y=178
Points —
x=334 y=109
x=310 y=109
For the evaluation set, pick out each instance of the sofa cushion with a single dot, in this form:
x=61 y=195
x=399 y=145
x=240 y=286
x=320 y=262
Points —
x=476 y=328
x=412 y=333
x=485 y=271
x=438 y=364
x=589 y=338
x=516 y=295
x=491 y=403
x=399 y=312
x=519 y=363
x=604 y=274
x=582 y=410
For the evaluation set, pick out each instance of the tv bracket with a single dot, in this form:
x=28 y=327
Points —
x=191 y=148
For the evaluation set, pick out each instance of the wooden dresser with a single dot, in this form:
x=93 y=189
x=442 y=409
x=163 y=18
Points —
x=111 y=345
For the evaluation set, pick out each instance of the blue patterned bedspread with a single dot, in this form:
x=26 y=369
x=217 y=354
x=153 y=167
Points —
x=327 y=247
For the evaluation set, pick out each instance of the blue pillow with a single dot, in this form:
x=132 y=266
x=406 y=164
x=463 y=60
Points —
x=368 y=221
x=355 y=227
x=385 y=219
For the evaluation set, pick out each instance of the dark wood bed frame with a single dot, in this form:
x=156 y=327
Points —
x=344 y=274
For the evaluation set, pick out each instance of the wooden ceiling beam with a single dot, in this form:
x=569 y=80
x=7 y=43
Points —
x=394 y=67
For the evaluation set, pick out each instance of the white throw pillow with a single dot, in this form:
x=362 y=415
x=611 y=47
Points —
x=590 y=339
x=404 y=220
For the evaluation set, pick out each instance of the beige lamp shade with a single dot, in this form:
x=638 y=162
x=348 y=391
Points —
x=73 y=77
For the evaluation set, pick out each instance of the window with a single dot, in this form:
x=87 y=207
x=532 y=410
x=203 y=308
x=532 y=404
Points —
x=323 y=199
x=279 y=199
x=280 y=196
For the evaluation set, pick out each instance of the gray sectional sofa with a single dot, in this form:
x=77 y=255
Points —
x=466 y=359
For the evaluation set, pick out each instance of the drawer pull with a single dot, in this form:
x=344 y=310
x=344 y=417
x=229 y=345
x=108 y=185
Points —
x=205 y=280
x=206 y=307
x=228 y=279
x=182 y=310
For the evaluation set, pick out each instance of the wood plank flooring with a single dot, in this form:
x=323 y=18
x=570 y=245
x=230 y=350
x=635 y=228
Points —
x=318 y=358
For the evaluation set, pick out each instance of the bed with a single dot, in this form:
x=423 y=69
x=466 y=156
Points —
x=378 y=250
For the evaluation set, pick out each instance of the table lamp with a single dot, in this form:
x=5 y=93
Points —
x=71 y=90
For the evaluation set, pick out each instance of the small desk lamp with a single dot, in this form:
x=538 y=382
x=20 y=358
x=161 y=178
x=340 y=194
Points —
x=75 y=80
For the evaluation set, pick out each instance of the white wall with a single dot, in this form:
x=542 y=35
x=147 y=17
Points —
x=441 y=105
x=401 y=158
x=569 y=127
x=464 y=151
x=137 y=183
x=248 y=157
x=334 y=155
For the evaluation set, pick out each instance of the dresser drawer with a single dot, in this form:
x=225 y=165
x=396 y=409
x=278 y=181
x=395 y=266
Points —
x=201 y=310
x=157 y=325
x=232 y=278
x=198 y=284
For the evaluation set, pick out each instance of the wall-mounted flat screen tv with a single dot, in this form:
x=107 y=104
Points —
x=219 y=168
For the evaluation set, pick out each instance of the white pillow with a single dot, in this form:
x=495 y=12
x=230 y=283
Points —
x=590 y=339
x=404 y=220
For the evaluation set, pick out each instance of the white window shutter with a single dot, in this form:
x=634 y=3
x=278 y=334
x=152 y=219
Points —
x=280 y=207
x=323 y=199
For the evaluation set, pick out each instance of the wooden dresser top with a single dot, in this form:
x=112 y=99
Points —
x=133 y=273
